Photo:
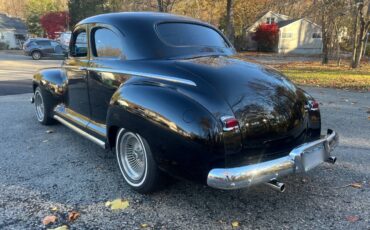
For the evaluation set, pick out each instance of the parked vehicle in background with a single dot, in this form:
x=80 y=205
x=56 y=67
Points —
x=43 y=47
x=64 y=38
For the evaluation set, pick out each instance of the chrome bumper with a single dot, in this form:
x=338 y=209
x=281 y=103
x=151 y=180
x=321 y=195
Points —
x=301 y=159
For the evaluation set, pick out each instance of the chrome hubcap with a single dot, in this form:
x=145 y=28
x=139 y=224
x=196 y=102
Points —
x=132 y=156
x=39 y=103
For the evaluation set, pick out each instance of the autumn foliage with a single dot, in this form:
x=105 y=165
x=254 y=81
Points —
x=54 y=22
x=267 y=36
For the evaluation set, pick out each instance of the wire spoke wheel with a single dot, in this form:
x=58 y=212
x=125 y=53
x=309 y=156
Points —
x=39 y=104
x=132 y=158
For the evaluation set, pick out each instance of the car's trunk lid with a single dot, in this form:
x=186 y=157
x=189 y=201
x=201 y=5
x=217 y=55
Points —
x=269 y=108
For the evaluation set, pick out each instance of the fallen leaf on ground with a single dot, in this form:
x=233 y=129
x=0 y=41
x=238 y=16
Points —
x=117 y=204
x=63 y=227
x=44 y=141
x=49 y=220
x=235 y=224
x=53 y=209
x=352 y=219
x=72 y=216
x=356 y=185
x=144 y=225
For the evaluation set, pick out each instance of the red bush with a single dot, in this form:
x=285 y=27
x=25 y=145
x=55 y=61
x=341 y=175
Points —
x=267 y=36
x=54 y=22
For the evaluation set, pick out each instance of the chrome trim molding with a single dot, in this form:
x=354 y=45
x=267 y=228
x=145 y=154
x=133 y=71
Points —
x=148 y=75
x=301 y=159
x=81 y=132
x=81 y=120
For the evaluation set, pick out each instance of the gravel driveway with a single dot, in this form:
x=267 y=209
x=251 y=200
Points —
x=40 y=170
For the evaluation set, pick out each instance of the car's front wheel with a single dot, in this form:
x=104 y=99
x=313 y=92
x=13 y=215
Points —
x=36 y=55
x=43 y=107
x=136 y=162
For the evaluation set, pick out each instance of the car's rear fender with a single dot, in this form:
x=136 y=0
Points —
x=184 y=137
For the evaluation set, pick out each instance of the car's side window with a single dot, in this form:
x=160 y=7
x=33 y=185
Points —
x=78 y=46
x=43 y=43
x=106 y=43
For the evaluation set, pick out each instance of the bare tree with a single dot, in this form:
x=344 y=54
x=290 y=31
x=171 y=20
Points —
x=165 y=5
x=230 y=33
x=362 y=17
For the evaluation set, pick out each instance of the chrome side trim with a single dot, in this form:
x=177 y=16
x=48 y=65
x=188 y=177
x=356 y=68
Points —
x=148 y=75
x=97 y=128
x=81 y=120
x=301 y=159
x=81 y=132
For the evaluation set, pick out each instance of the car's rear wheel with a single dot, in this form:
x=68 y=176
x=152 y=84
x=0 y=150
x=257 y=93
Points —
x=43 y=107
x=136 y=162
x=36 y=55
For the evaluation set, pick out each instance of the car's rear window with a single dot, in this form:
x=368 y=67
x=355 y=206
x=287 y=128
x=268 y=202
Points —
x=188 y=34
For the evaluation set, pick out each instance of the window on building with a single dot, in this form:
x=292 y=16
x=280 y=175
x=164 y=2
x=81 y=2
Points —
x=287 y=35
x=316 y=35
x=270 y=20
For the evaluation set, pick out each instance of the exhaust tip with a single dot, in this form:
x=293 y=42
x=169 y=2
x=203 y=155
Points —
x=276 y=185
x=332 y=159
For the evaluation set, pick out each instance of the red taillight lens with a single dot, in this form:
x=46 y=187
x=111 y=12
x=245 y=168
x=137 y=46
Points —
x=314 y=105
x=229 y=123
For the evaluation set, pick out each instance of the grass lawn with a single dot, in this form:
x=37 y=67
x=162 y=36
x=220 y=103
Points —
x=310 y=72
x=315 y=74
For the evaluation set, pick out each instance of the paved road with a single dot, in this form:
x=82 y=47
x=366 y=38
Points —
x=16 y=72
x=39 y=170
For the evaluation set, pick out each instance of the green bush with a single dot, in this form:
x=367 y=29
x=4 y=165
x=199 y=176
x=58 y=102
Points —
x=3 y=46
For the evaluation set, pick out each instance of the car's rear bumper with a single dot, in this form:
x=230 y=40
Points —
x=300 y=159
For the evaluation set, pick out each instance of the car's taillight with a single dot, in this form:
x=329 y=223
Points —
x=313 y=105
x=229 y=123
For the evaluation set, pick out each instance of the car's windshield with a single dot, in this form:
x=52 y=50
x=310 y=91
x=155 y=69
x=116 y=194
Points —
x=188 y=34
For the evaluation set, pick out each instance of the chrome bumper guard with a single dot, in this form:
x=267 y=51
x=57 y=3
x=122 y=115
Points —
x=301 y=159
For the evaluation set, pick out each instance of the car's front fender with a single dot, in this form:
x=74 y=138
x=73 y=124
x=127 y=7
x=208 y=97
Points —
x=53 y=80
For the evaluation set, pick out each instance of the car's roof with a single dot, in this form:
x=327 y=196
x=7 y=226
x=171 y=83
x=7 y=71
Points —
x=141 y=38
x=149 y=17
x=39 y=39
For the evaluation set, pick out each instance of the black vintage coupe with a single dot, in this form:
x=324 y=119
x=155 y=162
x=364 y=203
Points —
x=165 y=93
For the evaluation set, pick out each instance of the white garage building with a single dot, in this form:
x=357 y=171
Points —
x=300 y=36
x=13 y=32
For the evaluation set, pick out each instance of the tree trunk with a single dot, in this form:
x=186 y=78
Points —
x=337 y=44
x=354 y=45
x=229 y=21
x=325 y=41
x=362 y=11
x=160 y=6
x=360 y=46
